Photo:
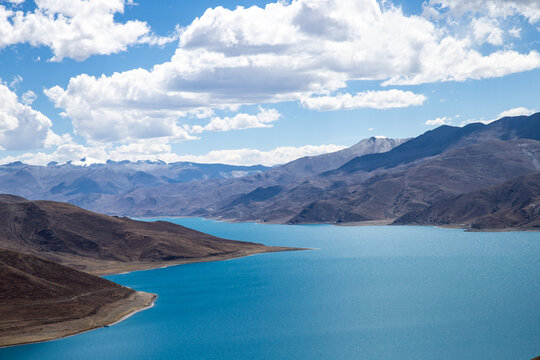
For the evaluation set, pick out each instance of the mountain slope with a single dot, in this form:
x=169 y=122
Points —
x=100 y=244
x=390 y=194
x=446 y=137
x=82 y=185
x=41 y=300
x=202 y=198
x=442 y=163
x=514 y=204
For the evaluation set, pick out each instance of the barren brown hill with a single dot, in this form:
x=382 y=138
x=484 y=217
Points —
x=388 y=194
x=375 y=186
x=205 y=197
x=514 y=204
x=103 y=244
x=41 y=300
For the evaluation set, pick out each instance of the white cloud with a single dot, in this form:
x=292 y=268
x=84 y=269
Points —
x=387 y=99
x=287 y=51
x=125 y=114
x=486 y=30
x=69 y=151
x=515 y=32
x=17 y=79
x=21 y=127
x=530 y=9
x=152 y=150
x=107 y=122
x=518 y=111
x=272 y=157
x=444 y=120
x=75 y=28
x=28 y=97
x=240 y=121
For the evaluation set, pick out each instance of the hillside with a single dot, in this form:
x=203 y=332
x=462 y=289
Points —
x=41 y=300
x=439 y=164
x=45 y=244
x=101 y=244
x=83 y=184
x=388 y=194
x=204 y=198
x=380 y=183
x=514 y=204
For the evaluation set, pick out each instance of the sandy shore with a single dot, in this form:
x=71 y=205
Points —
x=114 y=268
x=367 y=223
x=105 y=315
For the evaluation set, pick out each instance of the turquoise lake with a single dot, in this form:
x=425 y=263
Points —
x=363 y=293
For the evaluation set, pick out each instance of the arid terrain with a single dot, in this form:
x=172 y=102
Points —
x=50 y=254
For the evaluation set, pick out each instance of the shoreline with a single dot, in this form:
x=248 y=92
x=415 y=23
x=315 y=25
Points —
x=107 y=315
x=127 y=316
x=383 y=222
x=126 y=268
x=114 y=313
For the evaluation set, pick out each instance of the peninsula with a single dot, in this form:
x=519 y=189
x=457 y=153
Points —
x=50 y=254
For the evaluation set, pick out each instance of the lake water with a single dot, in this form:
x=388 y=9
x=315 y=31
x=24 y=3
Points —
x=365 y=293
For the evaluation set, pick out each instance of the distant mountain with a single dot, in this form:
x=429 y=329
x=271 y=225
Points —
x=311 y=165
x=388 y=194
x=441 y=163
x=82 y=185
x=443 y=138
x=204 y=198
x=101 y=244
x=377 y=179
x=41 y=300
x=515 y=204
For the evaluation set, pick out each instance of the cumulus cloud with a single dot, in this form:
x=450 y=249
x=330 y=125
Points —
x=15 y=82
x=302 y=50
x=444 y=120
x=108 y=123
x=279 y=155
x=124 y=115
x=486 y=30
x=240 y=121
x=146 y=150
x=21 y=127
x=75 y=28
x=78 y=154
x=28 y=97
x=515 y=32
x=518 y=111
x=529 y=9
x=387 y=99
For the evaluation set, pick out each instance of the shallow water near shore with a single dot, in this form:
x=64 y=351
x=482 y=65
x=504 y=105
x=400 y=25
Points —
x=370 y=292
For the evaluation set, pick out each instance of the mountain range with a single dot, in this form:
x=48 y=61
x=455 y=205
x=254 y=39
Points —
x=384 y=181
x=83 y=184
x=207 y=197
x=378 y=179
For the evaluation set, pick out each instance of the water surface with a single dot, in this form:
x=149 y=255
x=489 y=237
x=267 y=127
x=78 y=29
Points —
x=365 y=293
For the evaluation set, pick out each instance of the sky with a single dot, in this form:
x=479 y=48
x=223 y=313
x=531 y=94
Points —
x=254 y=82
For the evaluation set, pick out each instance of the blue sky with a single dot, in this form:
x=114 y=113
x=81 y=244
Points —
x=266 y=83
